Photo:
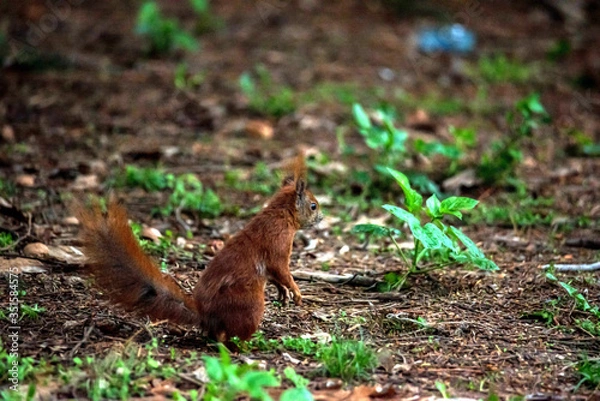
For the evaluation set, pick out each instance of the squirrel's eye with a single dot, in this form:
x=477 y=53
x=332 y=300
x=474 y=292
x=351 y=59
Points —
x=313 y=206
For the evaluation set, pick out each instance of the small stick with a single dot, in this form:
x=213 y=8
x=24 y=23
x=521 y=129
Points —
x=585 y=267
x=353 y=279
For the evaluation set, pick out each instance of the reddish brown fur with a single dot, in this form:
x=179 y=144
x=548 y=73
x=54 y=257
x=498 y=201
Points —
x=228 y=300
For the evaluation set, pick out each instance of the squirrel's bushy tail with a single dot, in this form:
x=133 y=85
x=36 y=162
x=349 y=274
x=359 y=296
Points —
x=125 y=273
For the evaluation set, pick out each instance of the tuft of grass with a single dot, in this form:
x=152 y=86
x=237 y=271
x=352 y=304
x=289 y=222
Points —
x=164 y=35
x=31 y=312
x=519 y=210
x=264 y=96
x=499 y=68
x=347 y=359
x=589 y=371
x=187 y=191
x=499 y=164
x=6 y=240
x=230 y=381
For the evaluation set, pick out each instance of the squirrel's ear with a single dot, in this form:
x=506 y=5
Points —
x=300 y=192
x=288 y=180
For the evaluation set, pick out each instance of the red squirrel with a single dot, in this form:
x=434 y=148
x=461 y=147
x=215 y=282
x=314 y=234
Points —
x=228 y=299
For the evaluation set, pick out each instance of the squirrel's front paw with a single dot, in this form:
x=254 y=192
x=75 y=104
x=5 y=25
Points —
x=297 y=298
x=284 y=295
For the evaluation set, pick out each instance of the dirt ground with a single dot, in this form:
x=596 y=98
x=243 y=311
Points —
x=93 y=103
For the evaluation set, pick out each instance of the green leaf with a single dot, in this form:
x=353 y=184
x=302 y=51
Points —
x=484 y=263
x=372 y=229
x=472 y=248
x=581 y=301
x=294 y=377
x=438 y=237
x=213 y=368
x=247 y=84
x=360 y=117
x=455 y=204
x=433 y=207
x=413 y=200
x=403 y=215
x=256 y=381
x=297 y=394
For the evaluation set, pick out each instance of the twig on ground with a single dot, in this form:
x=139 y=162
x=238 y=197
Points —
x=585 y=267
x=352 y=279
x=86 y=336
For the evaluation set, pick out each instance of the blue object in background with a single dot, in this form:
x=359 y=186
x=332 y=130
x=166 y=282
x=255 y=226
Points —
x=453 y=38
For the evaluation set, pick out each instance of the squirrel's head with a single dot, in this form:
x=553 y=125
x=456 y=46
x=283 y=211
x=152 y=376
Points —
x=307 y=206
x=308 y=212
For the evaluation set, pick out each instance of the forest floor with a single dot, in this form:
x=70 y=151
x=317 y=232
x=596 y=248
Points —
x=88 y=104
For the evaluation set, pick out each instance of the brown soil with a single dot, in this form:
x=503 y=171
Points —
x=91 y=102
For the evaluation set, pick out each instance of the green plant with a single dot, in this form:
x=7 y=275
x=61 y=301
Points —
x=229 y=381
x=164 y=34
x=184 y=80
x=206 y=21
x=299 y=392
x=441 y=387
x=517 y=210
x=31 y=312
x=499 y=68
x=264 y=96
x=432 y=238
x=189 y=194
x=499 y=164
x=582 y=304
x=6 y=240
x=305 y=346
x=14 y=366
x=589 y=370
x=148 y=178
x=261 y=180
x=187 y=191
x=383 y=137
x=162 y=248
x=347 y=359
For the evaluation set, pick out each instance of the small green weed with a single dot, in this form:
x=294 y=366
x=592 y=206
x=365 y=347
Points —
x=164 y=246
x=189 y=194
x=6 y=240
x=7 y=188
x=589 y=370
x=500 y=163
x=187 y=191
x=559 y=50
x=15 y=369
x=392 y=146
x=499 y=68
x=441 y=387
x=31 y=312
x=264 y=96
x=206 y=21
x=117 y=375
x=163 y=34
x=229 y=381
x=184 y=80
x=520 y=210
x=304 y=346
x=148 y=178
x=582 y=304
x=432 y=238
x=257 y=342
x=347 y=359
x=383 y=137
x=261 y=180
